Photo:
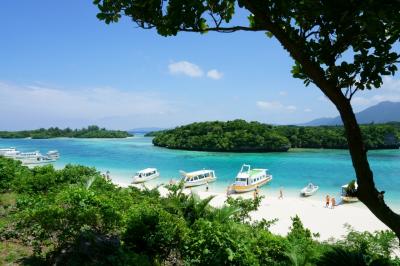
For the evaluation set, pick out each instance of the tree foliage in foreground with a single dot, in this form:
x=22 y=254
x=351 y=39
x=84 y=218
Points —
x=242 y=136
x=55 y=132
x=82 y=219
x=342 y=47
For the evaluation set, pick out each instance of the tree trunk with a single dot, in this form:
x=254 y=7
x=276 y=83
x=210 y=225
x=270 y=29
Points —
x=366 y=192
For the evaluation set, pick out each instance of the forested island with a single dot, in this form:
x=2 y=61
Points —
x=242 y=136
x=55 y=132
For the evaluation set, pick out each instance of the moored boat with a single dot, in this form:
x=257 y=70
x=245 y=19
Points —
x=249 y=179
x=145 y=175
x=309 y=190
x=33 y=158
x=54 y=154
x=9 y=152
x=5 y=150
x=349 y=192
x=198 y=178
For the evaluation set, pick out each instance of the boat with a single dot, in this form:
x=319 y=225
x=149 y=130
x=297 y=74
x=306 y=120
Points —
x=9 y=152
x=54 y=154
x=33 y=158
x=198 y=178
x=5 y=150
x=249 y=179
x=145 y=175
x=309 y=190
x=348 y=192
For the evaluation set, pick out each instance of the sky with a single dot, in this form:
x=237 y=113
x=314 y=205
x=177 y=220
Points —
x=61 y=66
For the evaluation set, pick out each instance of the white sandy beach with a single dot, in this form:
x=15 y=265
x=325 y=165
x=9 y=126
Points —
x=329 y=223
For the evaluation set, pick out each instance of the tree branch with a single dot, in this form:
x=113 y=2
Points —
x=222 y=29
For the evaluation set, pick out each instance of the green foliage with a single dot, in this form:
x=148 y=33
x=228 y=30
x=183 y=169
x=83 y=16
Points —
x=55 y=132
x=242 y=136
x=237 y=135
x=303 y=249
x=154 y=232
x=74 y=216
x=340 y=256
x=244 y=207
x=377 y=245
x=9 y=170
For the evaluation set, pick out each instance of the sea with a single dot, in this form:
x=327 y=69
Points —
x=291 y=171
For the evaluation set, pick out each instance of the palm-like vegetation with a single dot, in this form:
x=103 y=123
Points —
x=74 y=216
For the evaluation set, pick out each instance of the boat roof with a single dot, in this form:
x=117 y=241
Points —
x=345 y=186
x=199 y=172
x=147 y=170
x=254 y=172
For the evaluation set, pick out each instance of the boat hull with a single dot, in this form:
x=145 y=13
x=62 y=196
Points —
x=35 y=162
x=349 y=199
x=247 y=188
x=200 y=182
x=308 y=193
x=147 y=178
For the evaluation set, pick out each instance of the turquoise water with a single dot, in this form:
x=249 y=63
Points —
x=291 y=170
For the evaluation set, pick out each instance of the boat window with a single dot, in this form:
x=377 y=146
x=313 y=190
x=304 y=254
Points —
x=207 y=174
x=241 y=179
x=212 y=174
x=196 y=177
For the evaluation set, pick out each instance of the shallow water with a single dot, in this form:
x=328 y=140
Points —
x=291 y=170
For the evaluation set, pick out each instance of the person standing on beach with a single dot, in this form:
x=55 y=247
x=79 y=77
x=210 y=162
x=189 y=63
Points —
x=333 y=202
x=206 y=186
x=327 y=200
x=280 y=193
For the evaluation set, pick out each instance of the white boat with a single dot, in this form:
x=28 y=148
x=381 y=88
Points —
x=198 y=178
x=53 y=154
x=5 y=150
x=9 y=152
x=345 y=196
x=249 y=179
x=309 y=190
x=145 y=175
x=33 y=158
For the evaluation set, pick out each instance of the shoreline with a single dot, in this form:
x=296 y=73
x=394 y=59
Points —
x=329 y=223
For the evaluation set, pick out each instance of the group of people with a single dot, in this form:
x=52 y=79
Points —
x=330 y=202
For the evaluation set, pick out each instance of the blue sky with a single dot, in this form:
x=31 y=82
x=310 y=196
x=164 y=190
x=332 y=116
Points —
x=60 y=66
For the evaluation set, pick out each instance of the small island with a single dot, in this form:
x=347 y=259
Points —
x=241 y=136
x=55 y=132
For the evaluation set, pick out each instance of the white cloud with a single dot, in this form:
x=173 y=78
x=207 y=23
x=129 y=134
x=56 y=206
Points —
x=275 y=106
x=391 y=84
x=32 y=106
x=185 y=68
x=307 y=110
x=390 y=91
x=214 y=74
x=283 y=93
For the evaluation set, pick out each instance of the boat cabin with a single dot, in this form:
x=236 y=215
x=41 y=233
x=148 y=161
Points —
x=146 y=172
x=199 y=175
x=248 y=176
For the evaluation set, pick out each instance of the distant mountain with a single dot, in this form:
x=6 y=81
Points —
x=144 y=130
x=381 y=113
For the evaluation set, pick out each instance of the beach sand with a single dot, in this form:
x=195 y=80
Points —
x=329 y=223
